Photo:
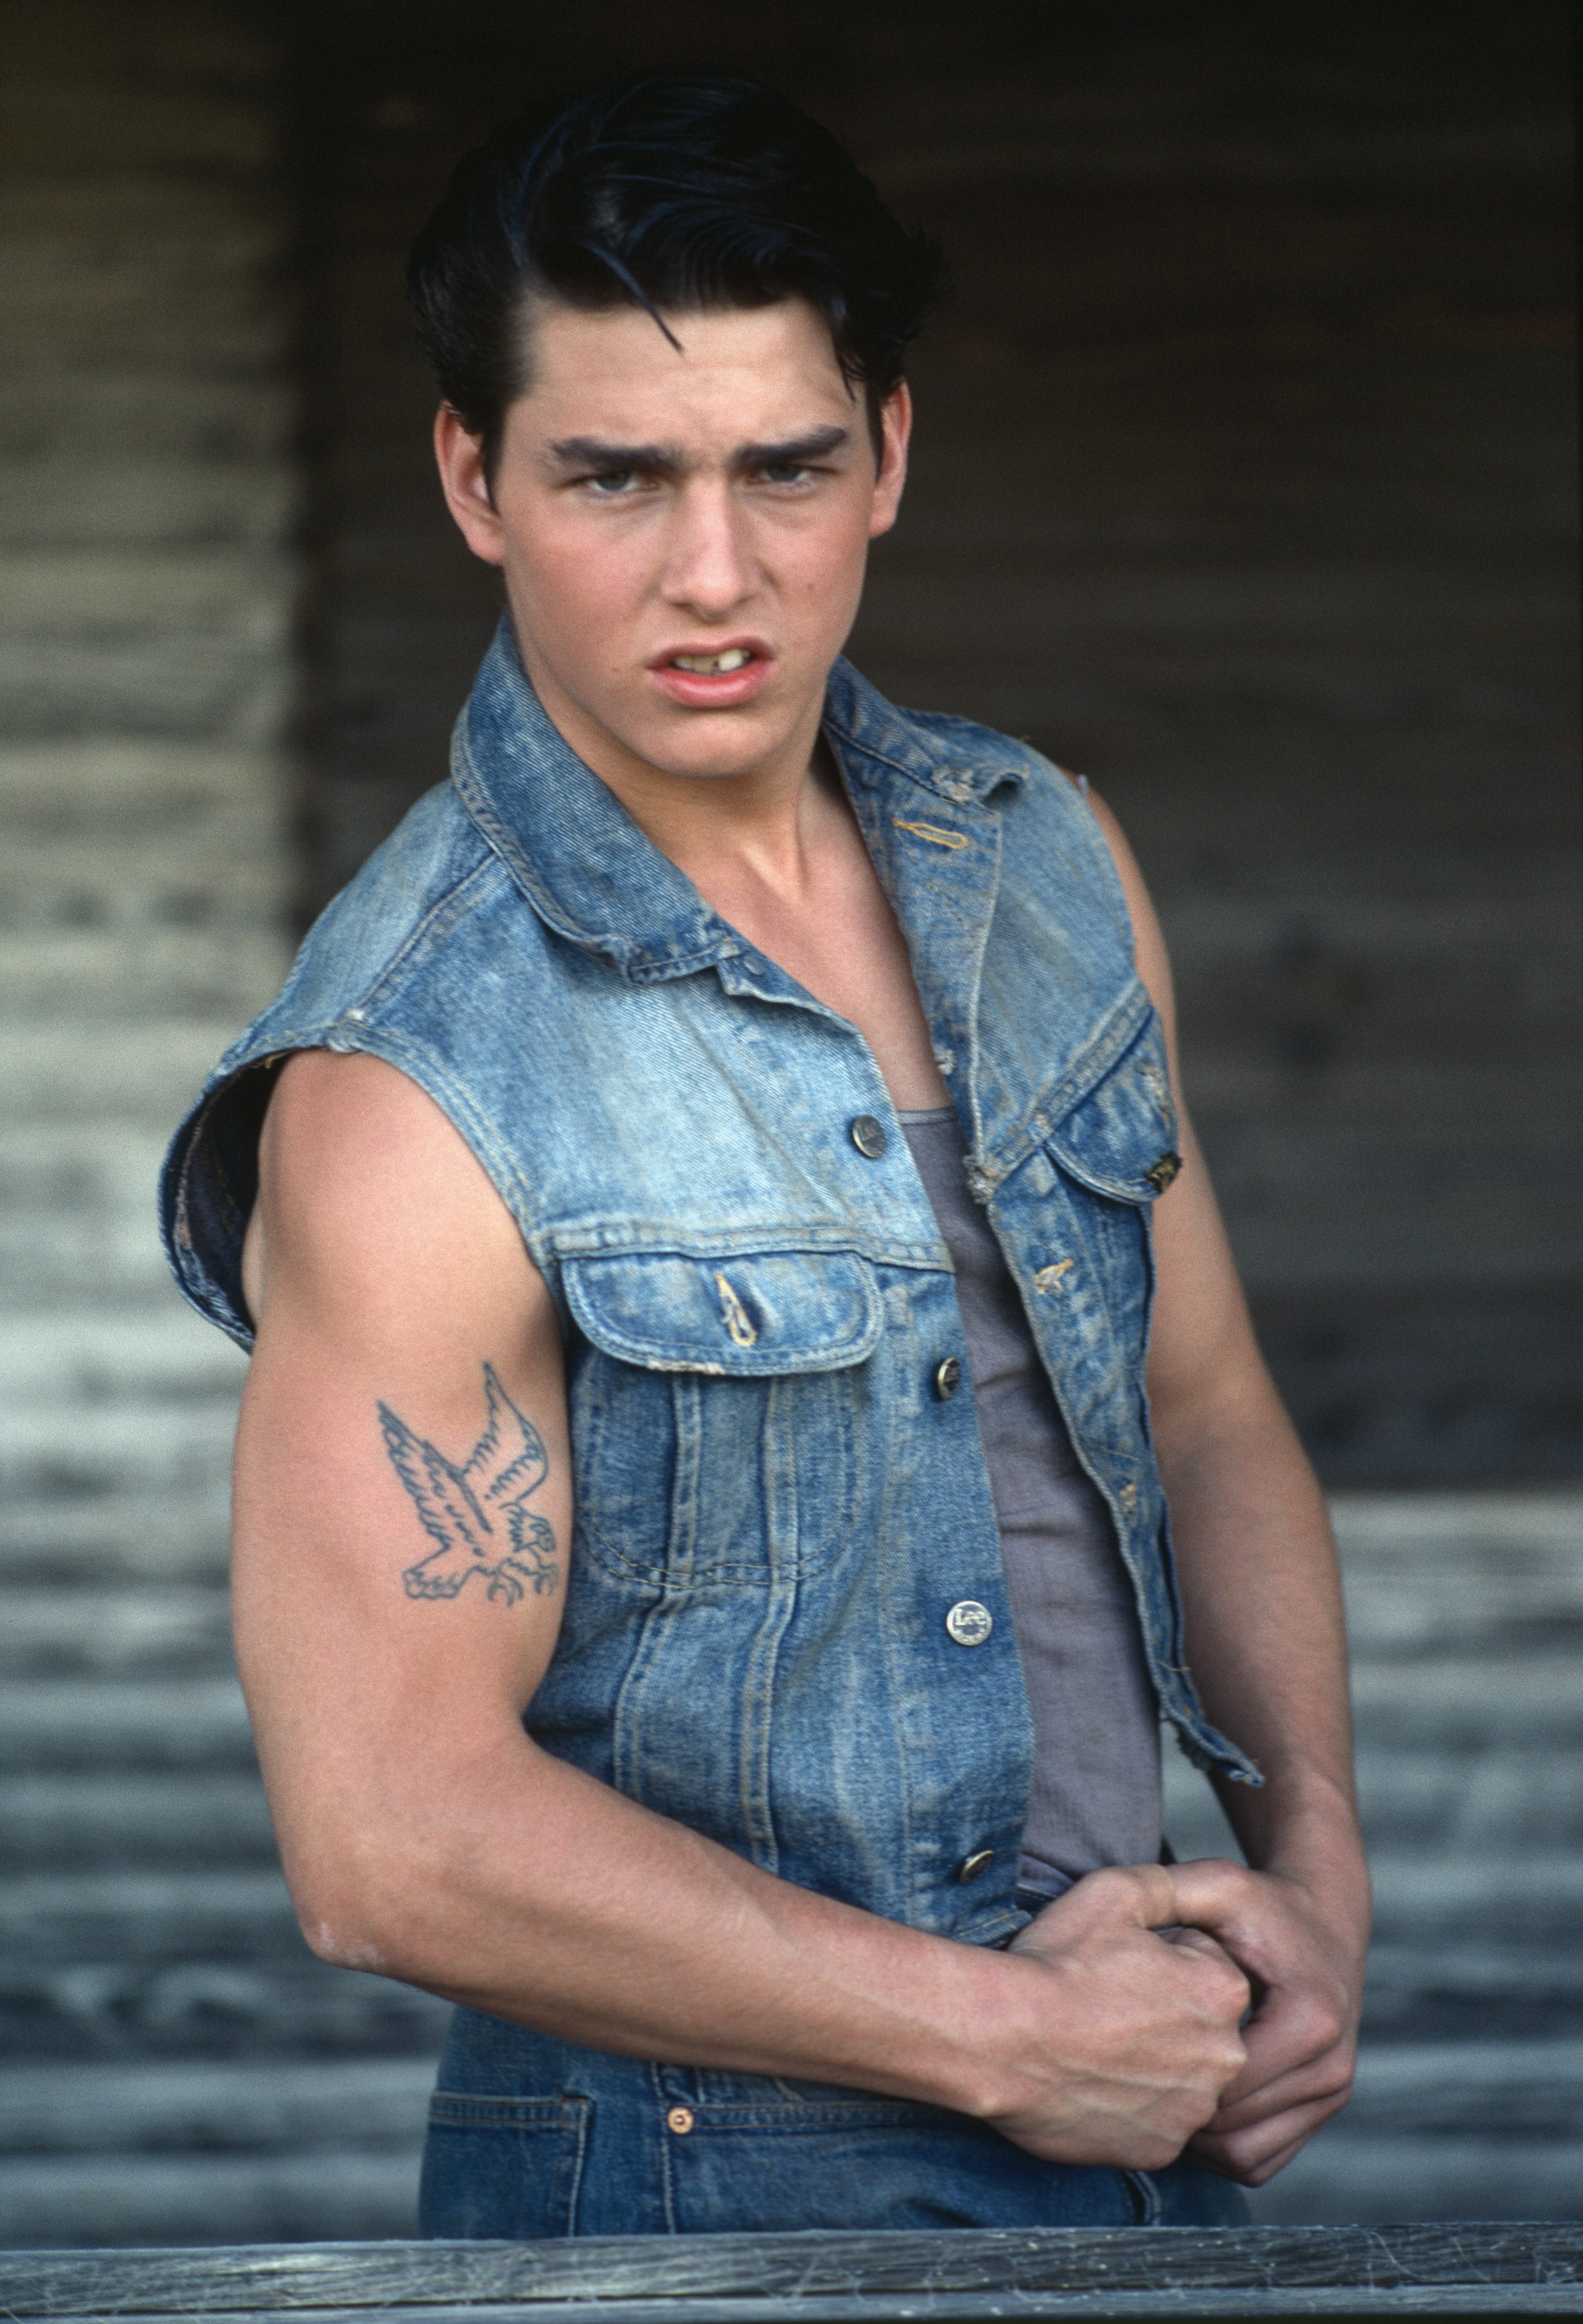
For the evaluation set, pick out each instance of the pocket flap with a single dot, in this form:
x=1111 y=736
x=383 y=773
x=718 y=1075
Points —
x=1120 y=1137
x=751 y=1315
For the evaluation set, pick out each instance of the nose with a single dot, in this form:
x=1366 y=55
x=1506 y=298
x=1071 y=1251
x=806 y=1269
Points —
x=709 y=569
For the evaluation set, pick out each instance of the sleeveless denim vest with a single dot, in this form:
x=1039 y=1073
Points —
x=776 y=1510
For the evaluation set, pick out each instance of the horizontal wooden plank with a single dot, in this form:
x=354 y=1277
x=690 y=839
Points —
x=800 y=2269
x=1470 y=2301
x=233 y=597
x=110 y=788
x=163 y=405
x=64 y=1258
x=160 y=685
x=101 y=503
x=106 y=1817
x=1345 y=2178
x=1454 y=1701
x=1446 y=2090
x=145 y=1075
x=1341 y=2302
x=92 y=2200
x=81 y=973
x=65 y=1359
x=61 y=1724
x=1397 y=1528
x=215 y=2105
x=153 y=1631
x=129 y=1536
x=240 y=1915
x=207 y=2011
x=182 y=869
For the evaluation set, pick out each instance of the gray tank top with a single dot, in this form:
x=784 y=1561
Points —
x=1096 y=1792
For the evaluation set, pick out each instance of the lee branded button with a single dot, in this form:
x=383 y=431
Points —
x=869 y=1137
x=968 y=1623
x=947 y=1378
x=680 y=2120
x=972 y=1865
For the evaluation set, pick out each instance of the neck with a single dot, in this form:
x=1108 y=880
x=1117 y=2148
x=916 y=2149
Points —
x=760 y=823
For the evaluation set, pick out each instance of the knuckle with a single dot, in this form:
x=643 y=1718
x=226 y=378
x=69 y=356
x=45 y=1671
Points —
x=1324 y=2026
x=1234 y=1990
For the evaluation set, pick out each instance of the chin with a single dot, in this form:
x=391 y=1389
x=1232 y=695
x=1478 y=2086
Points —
x=712 y=746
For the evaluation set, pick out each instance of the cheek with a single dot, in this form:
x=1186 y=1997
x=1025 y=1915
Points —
x=574 y=587
x=827 y=564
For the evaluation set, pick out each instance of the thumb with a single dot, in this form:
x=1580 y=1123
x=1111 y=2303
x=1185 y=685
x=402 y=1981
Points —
x=1136 y=1895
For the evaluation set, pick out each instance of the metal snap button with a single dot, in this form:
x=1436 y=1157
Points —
x=968 y=1623
x=947 y=1378
x=869 y=1137
x=1160 y=1175
x=680 y=2120
x=972 y=1865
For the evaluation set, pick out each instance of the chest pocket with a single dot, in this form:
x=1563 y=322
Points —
x=717 y=1411
x=1119 y=1138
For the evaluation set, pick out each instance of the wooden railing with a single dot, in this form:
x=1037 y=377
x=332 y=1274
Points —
x=1505 y=2270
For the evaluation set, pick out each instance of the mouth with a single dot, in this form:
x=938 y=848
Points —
x=715 y=665
x=714 y=678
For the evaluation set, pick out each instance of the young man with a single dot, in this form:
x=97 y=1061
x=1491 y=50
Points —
x=700 y=1572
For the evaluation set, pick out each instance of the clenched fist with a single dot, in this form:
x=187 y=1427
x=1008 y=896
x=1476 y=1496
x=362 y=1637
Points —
x=1127 y=2027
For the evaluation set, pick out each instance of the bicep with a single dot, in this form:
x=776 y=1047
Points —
x=403 y=1485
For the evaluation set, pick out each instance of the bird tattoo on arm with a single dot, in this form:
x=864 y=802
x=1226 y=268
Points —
x=476 y=1515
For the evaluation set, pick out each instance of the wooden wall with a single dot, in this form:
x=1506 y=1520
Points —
x=1245 y=483
x=147 y=574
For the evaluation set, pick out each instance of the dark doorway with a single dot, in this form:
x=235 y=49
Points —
x=1245 y=483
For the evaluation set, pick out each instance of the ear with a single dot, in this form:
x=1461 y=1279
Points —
x=895 y=429
x=460 y=457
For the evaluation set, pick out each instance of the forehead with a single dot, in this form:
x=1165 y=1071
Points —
x=744 y=372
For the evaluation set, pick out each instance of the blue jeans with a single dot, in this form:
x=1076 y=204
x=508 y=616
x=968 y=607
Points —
x=531 y=2138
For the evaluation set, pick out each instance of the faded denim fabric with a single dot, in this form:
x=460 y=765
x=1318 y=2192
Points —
x=619 y=2147
x=774 y=1512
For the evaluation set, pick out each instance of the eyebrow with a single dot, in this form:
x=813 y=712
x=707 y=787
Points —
x=591 y=452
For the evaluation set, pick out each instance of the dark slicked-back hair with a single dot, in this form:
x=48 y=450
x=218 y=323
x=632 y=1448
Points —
x=674 y=192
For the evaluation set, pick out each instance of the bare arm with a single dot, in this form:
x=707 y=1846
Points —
x=401 y=1531
x=1266 y=1642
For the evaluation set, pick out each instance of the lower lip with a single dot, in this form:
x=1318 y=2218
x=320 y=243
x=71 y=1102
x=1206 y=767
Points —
x=698 y=689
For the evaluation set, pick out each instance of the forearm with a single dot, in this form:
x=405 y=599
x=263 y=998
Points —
x=1265 y=1628
x=533 y=1892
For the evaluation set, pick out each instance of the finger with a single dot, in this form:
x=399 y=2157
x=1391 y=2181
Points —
x=1248 y=2100
x=1287 y=2039
x=1195 y=1940
x=1141 y=1894
x=1255 y=2154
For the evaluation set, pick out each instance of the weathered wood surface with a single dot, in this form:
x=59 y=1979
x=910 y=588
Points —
x=1514 y=2270
x=179 y=2069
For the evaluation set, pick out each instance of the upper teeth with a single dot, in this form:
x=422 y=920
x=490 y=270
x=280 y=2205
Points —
x=712 y=665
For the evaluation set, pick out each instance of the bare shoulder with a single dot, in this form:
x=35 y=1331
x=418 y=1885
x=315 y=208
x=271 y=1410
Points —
x=369 y=1199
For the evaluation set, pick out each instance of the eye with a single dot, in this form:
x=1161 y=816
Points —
x=787 y=472
x=613 y=483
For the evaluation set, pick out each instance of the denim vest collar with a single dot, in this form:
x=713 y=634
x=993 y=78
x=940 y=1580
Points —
x=595 y=876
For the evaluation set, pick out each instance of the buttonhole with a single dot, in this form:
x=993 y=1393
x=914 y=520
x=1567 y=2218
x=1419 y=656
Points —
x=933 y=833
x=1048 y=1279
x=737 y=1322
